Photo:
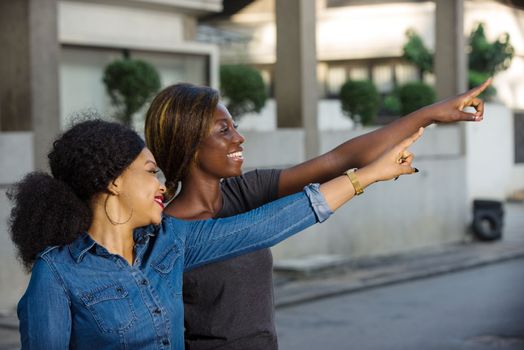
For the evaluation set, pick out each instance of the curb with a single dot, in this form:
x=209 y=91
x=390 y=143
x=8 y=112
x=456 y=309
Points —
x=296 y=292
x=9 y=322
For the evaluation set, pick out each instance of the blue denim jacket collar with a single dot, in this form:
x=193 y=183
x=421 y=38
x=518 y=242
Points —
x=85 y=243
x=81 y=246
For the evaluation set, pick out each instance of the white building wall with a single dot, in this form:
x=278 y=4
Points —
x=490 y=148
x=426 y=209
x=109 y=24
x=330 y=117
x=16 y=160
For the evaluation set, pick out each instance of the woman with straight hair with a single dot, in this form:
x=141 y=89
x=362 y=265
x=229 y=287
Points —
x=229 y=305
x=107 y=264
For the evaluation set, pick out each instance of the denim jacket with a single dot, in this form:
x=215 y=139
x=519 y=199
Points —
x=80 y=296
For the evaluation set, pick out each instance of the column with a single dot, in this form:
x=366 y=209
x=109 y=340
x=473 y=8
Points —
x=29 y=99
x=296 y=70
x=450 y=48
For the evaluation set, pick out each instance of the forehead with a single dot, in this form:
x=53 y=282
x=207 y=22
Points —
x=143 y=158
x=221 y=114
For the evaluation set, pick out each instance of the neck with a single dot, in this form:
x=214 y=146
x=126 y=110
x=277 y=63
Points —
x=199 y=198
x=117 y=239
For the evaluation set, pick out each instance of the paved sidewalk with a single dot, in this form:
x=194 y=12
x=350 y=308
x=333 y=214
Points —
x=375 y=273
x=346 y=276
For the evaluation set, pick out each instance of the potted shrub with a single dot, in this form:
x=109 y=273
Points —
x=243 y=89
x=130 y=84
x=360 y=101
x=415 y=95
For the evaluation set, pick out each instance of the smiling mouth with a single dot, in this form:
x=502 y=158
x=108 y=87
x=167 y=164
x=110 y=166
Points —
x=160 y=201
x=236 y=155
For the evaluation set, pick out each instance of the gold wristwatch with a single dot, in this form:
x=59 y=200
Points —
x=354 y=181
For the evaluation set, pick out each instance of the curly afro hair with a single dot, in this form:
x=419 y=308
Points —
x=54 y=210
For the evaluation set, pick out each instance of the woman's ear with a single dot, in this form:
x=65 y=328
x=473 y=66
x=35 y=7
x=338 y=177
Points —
x=114 y=186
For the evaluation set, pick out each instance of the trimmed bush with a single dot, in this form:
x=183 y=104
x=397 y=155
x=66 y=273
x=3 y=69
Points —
x=243 y=89
x=130 y=84
x=360 y=100
x=415 y=95
x=392 y=105
x=416 y=52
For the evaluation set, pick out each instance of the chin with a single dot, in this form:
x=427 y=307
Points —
x=156 y=219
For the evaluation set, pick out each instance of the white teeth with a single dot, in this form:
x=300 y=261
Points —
x=235 y=155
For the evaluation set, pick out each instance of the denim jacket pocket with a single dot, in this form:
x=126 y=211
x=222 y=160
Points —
x=110 y=306
x=164 y=266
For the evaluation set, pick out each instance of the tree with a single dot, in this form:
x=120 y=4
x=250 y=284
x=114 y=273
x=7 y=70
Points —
x=485 y=58
x=243 y=89
x=130 y=84
x=489 y=57
x=417 y=53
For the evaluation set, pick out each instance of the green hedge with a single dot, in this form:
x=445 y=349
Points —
x=415 y=95
x=243 y=88
x=130 y=84
x=360 y=100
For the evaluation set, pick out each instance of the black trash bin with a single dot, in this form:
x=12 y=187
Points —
x=488 y=219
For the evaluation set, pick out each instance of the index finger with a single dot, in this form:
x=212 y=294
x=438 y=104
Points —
x=410 y=140
x=478 y=89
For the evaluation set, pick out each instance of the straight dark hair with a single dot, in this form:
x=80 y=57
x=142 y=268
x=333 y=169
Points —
x=178 y=120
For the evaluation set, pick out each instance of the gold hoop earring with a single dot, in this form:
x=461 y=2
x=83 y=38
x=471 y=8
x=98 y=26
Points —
x=113 y=222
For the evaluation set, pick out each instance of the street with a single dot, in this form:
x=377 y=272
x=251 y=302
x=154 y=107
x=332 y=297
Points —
x=481 y=308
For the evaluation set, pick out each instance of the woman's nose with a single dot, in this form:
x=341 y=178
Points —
x=239 y=138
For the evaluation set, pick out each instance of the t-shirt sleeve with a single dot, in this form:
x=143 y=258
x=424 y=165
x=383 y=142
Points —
x=250 y=191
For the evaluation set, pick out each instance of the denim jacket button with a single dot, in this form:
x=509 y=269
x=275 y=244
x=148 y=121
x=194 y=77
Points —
x=165 y=342
x=119 y=290
x=144 y=282
x=157 y=311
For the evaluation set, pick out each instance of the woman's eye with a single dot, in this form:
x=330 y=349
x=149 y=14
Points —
x=226 y=129
x=154 y=171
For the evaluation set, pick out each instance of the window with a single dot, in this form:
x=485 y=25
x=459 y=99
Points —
x=405 y=73
x=383 y=78
x=336 y=77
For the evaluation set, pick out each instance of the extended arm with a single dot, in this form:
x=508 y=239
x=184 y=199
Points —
x=44 y=313
x=207 y=241
x=362 y=150
x=212 y=240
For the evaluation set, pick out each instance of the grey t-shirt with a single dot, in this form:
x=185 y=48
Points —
x=229 y=304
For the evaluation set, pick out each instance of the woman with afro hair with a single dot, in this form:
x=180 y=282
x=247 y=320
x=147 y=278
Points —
x=107 y=265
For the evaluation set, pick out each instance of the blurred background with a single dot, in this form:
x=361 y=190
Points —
x=300 y=77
